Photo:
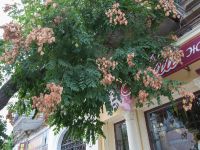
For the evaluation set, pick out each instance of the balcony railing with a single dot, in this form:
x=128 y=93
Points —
x=180 y=9
x=190 y=12
x=73 y=145
x=189 y=26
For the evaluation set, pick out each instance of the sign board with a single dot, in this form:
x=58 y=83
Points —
x=191 y=50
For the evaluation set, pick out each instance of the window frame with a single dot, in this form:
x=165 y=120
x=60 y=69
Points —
x=179 y=100
x=115 y=124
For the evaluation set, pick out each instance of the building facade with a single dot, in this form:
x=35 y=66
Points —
x=164 y=127
x=158 y=127
x=33 y=134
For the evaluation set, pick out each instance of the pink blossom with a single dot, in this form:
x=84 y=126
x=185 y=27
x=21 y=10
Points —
x=104 y=66
x=116 y=16
x=143 y=96
x=41 y=36
x=47 y=103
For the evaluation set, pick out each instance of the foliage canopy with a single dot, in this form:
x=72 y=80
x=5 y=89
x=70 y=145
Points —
x=70 y=55
x=3 y=135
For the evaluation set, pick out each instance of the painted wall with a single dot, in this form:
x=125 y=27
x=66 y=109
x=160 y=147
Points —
x=109 y=142
x=53 y=141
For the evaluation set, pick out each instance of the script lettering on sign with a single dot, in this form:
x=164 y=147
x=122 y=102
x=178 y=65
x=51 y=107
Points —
x=165 y=67
x=191 y=51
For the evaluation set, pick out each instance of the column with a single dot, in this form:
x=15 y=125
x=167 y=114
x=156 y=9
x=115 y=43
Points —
x=143 y=130
x=133 y=131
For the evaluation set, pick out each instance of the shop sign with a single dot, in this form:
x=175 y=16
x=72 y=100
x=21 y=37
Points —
x=191 y=52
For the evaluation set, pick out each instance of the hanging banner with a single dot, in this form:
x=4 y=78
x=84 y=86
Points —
x=126 y=98
x=191 y=50
x=126 y=101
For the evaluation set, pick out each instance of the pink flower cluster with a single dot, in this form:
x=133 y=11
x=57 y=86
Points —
x=188 y=99
x=9 y=57
x=137 y=76
x=57 y=20
x=7 y=8
x=10 y=117
x=41 y=36
x=174 y=37
x=55 y=5
x=174 y=55
x=169 y=8
x=116 y=16
x=143 y=96
x=46 y=103
x=104 y=66
x=154 y=81
x=150 y=78
x=138 y=1
x=48 y=2
x=12 y=33
x=130 y=60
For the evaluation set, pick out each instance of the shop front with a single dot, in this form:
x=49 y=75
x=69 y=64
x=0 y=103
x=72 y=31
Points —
x=171 y=127
x=167 y=126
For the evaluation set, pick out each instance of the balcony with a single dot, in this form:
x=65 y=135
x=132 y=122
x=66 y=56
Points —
x=190 y=12
x=190 y=18
x=26 y=123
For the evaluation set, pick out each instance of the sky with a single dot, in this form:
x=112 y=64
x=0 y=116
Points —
x=3 y=20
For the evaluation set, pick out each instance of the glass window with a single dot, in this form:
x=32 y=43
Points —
x=171 y=128
x=121 y=138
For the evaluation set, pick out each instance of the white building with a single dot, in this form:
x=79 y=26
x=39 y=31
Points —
x=35 y=135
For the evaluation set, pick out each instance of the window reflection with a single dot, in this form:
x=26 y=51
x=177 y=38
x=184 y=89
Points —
x=121 y=137
x=171 y=128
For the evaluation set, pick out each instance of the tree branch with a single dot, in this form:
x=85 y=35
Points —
x=7 y=91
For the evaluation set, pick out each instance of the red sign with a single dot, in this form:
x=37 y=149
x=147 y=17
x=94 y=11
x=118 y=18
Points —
x=191 y=51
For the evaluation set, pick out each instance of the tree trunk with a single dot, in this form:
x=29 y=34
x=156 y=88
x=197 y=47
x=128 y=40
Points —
x=6 y=92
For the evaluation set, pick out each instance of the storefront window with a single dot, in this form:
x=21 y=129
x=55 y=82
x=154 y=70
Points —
x=121 y=138
x=171 y=128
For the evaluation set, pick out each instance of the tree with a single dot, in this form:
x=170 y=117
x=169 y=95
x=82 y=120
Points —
x=67 y=56
x=8 y=143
